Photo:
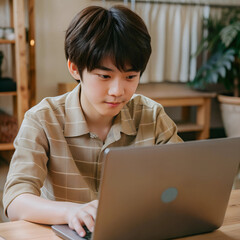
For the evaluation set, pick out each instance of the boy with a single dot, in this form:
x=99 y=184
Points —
x=55 y=170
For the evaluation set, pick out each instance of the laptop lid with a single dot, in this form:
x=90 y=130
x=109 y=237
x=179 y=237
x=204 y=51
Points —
x=166 y=191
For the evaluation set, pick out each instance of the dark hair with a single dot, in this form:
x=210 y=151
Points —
x=119 y=33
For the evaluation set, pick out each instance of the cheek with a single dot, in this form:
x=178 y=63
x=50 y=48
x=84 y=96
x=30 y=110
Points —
x=131 y=89
x=95 y=91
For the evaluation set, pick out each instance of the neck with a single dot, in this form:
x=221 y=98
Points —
x=97 y=123
x=100 y=122
x=100 y=126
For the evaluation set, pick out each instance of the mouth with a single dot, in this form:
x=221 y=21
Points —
x=114 y=104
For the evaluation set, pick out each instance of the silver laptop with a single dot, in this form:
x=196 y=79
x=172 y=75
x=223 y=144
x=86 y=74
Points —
x=164 y=191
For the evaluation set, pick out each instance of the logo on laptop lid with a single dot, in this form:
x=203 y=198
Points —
x=169 y=195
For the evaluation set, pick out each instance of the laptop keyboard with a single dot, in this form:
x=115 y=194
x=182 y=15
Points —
x=88 y=233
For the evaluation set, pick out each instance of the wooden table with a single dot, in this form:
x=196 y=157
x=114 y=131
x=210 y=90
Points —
x=22 y=230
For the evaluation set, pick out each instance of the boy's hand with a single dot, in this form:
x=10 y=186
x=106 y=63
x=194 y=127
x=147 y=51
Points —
x=83 y=215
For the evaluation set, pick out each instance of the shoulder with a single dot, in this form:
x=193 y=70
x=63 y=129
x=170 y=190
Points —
x=49 y=106
x=144 y=110
x=139 y=102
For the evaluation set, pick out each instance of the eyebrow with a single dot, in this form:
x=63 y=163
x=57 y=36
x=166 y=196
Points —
x=111 y=70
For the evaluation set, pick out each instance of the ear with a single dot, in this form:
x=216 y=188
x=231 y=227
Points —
x=73 y=70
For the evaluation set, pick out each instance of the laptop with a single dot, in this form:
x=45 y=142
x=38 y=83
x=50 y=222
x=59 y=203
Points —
x=163 y=191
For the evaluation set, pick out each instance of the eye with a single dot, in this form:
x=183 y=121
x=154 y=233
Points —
x=131 y=77
x=103 y=76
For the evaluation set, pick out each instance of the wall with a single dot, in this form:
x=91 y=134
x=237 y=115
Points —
x=51 y=20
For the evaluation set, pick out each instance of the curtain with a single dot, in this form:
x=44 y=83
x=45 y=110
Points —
x=176 y=31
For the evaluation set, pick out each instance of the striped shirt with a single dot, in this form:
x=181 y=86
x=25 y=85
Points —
x=58 y=158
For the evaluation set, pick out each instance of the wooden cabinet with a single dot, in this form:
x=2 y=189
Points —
x=20 y=63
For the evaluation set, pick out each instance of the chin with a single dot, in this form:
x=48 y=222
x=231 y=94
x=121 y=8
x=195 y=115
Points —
x=111 y=113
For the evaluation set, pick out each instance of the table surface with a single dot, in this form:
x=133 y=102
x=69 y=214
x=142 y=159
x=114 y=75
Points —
x=171 y=91
x=230 y=230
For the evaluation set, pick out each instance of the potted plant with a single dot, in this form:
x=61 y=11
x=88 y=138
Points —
x=222 y=45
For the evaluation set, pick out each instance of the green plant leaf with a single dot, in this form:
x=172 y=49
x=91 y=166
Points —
x=214 y=69
x=229 y=33
x=227 y=64
x=221 y=40
x=222 y=71
x=213 y=77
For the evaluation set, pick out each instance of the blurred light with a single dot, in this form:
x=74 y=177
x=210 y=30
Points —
x=32 y=42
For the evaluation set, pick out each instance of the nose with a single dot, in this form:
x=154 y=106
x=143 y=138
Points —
x=116 y=88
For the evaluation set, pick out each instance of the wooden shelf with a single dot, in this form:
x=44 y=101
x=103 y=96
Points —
x=189 y=127
x=6 y=146
x=6 y=41
x=20 y=55
x=8 y=93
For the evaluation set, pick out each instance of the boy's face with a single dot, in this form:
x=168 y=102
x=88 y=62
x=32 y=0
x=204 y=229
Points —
x=106 y=89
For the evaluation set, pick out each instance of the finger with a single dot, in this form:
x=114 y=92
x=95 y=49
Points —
x=76 y=225
x=88 y=220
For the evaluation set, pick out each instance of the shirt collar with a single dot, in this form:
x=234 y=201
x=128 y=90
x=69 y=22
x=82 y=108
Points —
x=75 y=123
x=122 y=123
x=127 y=122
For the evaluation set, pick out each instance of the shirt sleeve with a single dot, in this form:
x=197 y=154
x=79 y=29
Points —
x=166 y=130
x=28 y=167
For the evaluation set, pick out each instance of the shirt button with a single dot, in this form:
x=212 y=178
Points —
x=93 y=135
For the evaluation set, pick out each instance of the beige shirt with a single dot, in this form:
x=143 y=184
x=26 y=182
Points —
x=58 y=158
